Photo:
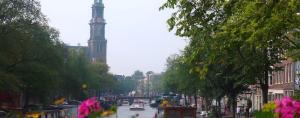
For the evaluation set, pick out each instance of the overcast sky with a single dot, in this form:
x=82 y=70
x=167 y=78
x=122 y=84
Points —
x=136 y=31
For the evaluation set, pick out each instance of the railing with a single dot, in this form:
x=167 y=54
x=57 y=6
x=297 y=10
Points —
x=128 y=97
x=69 y=111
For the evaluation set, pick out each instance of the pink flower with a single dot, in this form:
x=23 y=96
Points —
x=288 y=116
x=287 y=111
x=88 y=106
x=89 y=102
x=297 y=107
x=287 y=101
x=83 y=110
x=97 y=106
x=287 y=107
x=279 y=106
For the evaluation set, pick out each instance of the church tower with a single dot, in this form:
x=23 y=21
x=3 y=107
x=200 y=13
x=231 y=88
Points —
x=97 y=42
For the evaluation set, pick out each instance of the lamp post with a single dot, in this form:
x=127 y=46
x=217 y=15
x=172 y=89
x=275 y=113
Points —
x=85 y=93
x=149 y=73
x=148 y=85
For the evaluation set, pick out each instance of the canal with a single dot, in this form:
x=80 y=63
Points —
x=124 y=112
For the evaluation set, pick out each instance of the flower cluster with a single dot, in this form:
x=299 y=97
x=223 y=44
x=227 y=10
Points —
x=287 y=108
x=165 y=103
x=89 y=106
x=269 y=107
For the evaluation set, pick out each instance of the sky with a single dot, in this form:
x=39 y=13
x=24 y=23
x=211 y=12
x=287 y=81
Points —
x=136 y=31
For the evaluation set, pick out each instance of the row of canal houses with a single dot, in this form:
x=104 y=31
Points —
x=284 y=82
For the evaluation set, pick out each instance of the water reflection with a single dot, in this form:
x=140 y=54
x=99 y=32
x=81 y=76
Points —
x=124 y=112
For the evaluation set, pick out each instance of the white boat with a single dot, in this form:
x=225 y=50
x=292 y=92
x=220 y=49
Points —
x=125 y=103
x=137 y=105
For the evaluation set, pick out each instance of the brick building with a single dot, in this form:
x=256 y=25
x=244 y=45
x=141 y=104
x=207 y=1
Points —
x=282 y=82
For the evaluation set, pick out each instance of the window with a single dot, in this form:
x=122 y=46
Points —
x=271 y=96
x=286 y=73
x=292 y=78
x=290 y=72
x=270 y=80
x=276 y=77
x=282 y=77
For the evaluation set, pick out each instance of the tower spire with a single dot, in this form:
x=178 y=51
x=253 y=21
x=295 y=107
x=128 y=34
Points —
x=97 y=42
x=97 y=1
x=98 y=9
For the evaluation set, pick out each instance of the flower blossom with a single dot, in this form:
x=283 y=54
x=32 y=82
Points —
x=88 y=106
x=287 y=107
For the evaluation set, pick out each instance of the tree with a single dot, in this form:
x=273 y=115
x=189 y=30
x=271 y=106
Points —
x=30 y=50
x=156 y=83
x=254 y=31
x=224 y=77
x=138 y=75
x=78 y=71
x=126 y=85
x=178 y=78
x=34 y=62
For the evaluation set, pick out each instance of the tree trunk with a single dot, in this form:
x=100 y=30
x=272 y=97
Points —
x=234 y=105
x=219 y=115
x=247 y=112
x=185 y=100
x=265 y=84
x=26 y=95
x=264 y=89
x=196 y=103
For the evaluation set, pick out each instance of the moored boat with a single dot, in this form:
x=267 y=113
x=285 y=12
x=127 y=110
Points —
x=125 y=103
x=137 y=105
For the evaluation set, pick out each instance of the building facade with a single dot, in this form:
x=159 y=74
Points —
x=282 y=82
x=97 y=42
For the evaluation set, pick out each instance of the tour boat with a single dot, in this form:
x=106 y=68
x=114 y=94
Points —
x=137 y=105
x=125 y=103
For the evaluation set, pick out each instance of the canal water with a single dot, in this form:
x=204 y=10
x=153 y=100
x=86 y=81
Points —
x=124 y=112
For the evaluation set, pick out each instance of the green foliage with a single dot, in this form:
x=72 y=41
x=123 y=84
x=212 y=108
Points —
x=113 y=108
x=126 y=85
x=156 y=81
x=35 y=62
x=30 y=52
x=248 y=37
x=297 y=95
x=78 y=71
x=264 y=114
x=178 y=78
x=138 y=75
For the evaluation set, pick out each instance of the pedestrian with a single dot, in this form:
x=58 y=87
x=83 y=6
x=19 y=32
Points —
x=181 y=102
x=155 y=116
x=238 y=111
